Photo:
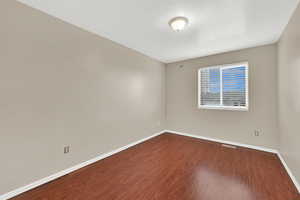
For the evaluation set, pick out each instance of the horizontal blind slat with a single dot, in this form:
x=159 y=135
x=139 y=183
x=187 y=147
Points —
x=233 y=86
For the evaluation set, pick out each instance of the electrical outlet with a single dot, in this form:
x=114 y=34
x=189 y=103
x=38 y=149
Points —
x=256 y=133
x=66 y=149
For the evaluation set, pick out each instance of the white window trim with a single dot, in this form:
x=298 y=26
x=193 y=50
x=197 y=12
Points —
x=220 y=107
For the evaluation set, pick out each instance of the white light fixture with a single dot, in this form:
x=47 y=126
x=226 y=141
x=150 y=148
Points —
x=178 y=23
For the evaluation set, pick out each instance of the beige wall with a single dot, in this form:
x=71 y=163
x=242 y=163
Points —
x=60 y=85
x=289 y=93
x=183 y=114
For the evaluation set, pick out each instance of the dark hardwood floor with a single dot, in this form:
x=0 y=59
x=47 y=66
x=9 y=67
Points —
x=173 y=167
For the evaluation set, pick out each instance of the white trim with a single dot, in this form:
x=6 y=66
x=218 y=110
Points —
x=289 y=172
x=221 y=106
x=102 y=156
x=199 y=87
x=71 y=169
x=224 y=141
x=213 y=107
x=293 y=178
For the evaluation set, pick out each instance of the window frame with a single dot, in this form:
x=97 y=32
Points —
x=222 y=107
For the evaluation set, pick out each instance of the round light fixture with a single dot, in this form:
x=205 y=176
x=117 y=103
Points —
x=178 y=23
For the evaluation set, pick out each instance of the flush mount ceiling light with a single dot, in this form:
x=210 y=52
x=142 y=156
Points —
x=178 y=23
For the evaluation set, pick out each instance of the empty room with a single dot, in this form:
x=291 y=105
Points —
x=150 y=100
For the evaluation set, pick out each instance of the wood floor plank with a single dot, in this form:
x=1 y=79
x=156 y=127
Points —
x=173 y=167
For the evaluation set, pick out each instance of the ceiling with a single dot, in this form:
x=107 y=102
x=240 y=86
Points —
x=216 y=26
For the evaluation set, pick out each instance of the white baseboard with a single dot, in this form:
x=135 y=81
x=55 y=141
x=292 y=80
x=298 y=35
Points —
x=289 y=172
x=293 y=178
x=224 y=141
x=102 y=156
x=71 y=169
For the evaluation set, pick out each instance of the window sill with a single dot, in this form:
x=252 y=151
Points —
x=233 y=108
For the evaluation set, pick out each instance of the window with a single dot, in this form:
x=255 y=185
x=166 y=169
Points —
x=223 y=87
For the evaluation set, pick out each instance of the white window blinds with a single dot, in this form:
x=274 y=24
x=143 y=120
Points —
x=224 y=87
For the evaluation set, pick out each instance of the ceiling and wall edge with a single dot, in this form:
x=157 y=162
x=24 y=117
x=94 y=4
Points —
x=89 y=31
x=275 y=39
